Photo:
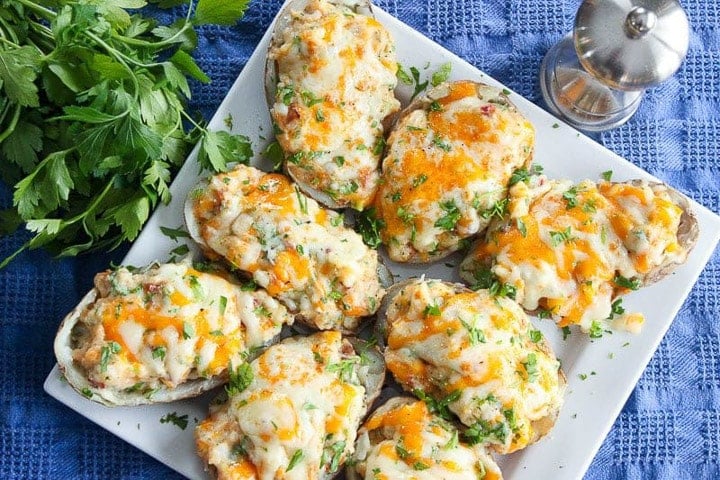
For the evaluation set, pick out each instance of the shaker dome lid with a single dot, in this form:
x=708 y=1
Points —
x=631 y=44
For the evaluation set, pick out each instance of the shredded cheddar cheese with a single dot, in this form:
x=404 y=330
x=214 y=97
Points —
x=477 y=353
x=336 y=76
x=446 y=167
x=297 y=419
x=402 y=439
x=581 y=246
x=301 y=253
x=168 y=324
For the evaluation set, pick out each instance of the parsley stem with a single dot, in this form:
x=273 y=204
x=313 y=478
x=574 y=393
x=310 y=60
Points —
x=43 y=12
x=159 y=44
x=13 y=123
x=120 y=57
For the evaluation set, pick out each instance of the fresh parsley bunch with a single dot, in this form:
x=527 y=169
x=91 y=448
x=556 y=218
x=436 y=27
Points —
x=92 y=116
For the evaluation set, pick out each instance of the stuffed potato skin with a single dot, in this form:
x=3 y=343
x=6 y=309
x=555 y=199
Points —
x=571 y=250
x=402 y=439
x=301 y=253
x=448 y=161
x=332 y=69
x=293 y=413
x=162 y=333
x=479 y=355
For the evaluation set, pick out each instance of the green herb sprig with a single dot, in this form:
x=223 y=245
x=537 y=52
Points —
x=93 y=120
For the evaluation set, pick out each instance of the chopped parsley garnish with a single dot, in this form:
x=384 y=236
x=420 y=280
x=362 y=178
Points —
x=400 y=450
x=451 y=217
x=419 y=86
x=616 y=309
x=287 y=94
x=379 y=146
x=499 y=209
x=240 y=378
x=188 y=331
x=420 y=466
x=405 y=216
x=570 y=198
x=596 y=329
x=319 y=117
x=607 y=175
x=332 y=458
x=262 y=311
x=486 y=279
x=310 y=99
x=180 y=421
x=369 y=226
x=223 y=304
x=248 y=286
x=476 y=335
x=348 y=188
x=275 y=154
x=337 y=220
x=453 y=442
x=196 y=287
x=535 y=336
x=632 y=284
x=344 y=368
x=557 y=238
x=484 y=431
x=419 y=180
x=174 y=233
x=441 y=144
x=302 y=200
x=106 y=352
x=530 y=365
x=523 y=174
x=339 y=160
x=435 y=106
x=433 y=310
x=441 y=75
x=565 y=332
x=296 y=458
x=403 y=76
x=159 y=353
x=87 y=393
x=439 y=407
x=521 y=227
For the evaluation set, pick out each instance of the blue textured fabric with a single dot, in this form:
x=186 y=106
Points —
x=670 y=426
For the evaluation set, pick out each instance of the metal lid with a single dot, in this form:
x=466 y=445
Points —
x=631 y=44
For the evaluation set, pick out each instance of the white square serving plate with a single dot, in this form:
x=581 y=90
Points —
x=615 y=361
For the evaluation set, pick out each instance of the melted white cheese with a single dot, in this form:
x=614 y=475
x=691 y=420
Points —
x=336 y=76
x=169 y=324
x=297 y=418
x=446 y=167
x=403 y=440
x=481 y=352
x=301 y=253
x=579 y=246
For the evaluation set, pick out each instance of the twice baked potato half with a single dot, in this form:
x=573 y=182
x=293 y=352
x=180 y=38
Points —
x=330 y=81
x=301 y=253
x=162 y=333
x=479 y=355
x=448 y=161
x=570 y=250
x=294 y=412
x=403 y=439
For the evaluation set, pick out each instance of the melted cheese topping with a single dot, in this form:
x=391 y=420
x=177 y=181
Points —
x=297 y=419
x=446 y=166
x=476 y=352
x=170 y=324
x=406 y=441
x=566 y=246
x=301 y=253
x=336 y=76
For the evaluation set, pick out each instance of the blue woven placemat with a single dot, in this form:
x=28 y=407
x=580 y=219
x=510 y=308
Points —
x=670 y=426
